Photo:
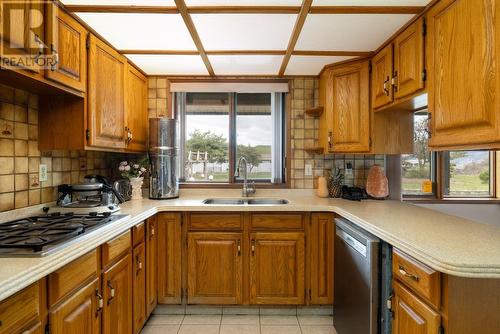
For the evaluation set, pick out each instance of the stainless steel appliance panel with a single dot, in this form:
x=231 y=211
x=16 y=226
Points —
x=356 y=281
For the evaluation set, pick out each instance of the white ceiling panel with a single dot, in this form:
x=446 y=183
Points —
x=311 y=65
x=245 y=64
x=348 y=32
x=244 y=31
x=141 y=31
x=121 y=2
x=370 y=2
x=243 y=2
x=170 y=64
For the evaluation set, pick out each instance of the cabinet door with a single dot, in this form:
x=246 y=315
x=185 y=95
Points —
x=151 y=265
x=169 y=258
x=117 y=287
x=277 y=268
x=409 y=60
x=215 y=268
x=106 y=110
x=411 y=315
x=139 y=287
x=462 y=52
x=137 y=109
x=79 y=313
x=67 y=39
x=22 y=34
x=382 y=92
x=321 y=236
x=351 y=108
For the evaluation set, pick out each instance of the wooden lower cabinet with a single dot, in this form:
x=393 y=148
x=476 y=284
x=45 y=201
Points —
x=214 y=268
x=277 y=269
x=139 y=287
x=411 y=315
x=151 y=265
x=169 y=258
x=117 y=293
x=80 y=313
x=321 y=237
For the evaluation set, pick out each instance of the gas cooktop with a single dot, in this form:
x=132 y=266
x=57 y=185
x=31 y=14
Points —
x=40 y=235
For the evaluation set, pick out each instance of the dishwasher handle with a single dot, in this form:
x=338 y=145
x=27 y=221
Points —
x=351 y=241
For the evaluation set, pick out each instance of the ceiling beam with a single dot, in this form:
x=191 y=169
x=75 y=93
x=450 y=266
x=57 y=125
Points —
x=299 y=23
x=181 y=6
x=122 y=9
x=366 y=9
x=246 y=9
x=249 y=52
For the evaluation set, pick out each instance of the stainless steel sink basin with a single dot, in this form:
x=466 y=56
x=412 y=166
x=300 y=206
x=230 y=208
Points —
x=267 y=201
x=243 y=201
x=224 y=201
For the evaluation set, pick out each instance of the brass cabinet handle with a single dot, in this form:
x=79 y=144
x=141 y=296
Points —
x=138 y=263
x=386 y=90
x=253 y=247
x=152 y=231
x=100 y=302
x=403 y=272
x=395 y=81
x=330 y=139
x=239 y=247
x=129 y=136
x=111 y=291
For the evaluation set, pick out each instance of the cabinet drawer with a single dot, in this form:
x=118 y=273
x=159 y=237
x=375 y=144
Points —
x=71 y=276
x=20 y=309
x=138 y=232
x=113 y=249
x=215 y=221
x=423 y=280
x=280 y=221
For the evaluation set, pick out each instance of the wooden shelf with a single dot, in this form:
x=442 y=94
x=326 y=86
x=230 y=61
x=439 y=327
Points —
x=314 y=112
x=315 y=150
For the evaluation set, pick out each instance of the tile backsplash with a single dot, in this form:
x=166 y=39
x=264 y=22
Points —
x=20 y=158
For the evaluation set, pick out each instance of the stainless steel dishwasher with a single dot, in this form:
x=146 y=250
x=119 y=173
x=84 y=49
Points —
x=356 y=282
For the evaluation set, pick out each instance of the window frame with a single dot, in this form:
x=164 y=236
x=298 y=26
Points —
x=438 y=178
x=233 y=181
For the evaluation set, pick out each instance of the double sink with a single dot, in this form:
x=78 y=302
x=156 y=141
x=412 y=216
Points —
x=245 y=201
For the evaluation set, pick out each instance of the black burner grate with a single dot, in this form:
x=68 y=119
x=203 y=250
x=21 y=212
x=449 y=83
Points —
x=36 y=233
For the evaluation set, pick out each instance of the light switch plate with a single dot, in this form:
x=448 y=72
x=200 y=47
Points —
x=308 y=170
x=42 y=174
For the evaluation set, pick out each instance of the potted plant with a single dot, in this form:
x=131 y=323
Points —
x=135 y=173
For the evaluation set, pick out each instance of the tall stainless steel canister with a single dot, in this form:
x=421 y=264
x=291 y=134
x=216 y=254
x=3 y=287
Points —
x=163 y=148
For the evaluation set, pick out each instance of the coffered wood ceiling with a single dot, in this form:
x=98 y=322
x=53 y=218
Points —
x=244 y=37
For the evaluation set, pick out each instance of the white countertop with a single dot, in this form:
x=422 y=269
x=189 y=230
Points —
x=449 y=244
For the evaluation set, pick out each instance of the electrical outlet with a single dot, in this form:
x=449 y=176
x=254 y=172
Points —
x=308 y=171
x=348 y=169
x=42 y=173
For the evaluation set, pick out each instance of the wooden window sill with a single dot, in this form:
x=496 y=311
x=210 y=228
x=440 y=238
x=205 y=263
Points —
x=232 y=185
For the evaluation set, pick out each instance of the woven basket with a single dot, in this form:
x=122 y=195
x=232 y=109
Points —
x=335 y=189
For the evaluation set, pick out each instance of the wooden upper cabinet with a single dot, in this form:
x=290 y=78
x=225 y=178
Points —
x=117 y=294
x=80 y=313
x=350 y=127
x=321 y=236
x=137 y=109
x=382 y=63
x=106 y=100
x=463 y=42
x=139 y=287
x=23 y=33
x=411 y=315
x=66 y=39
x=151 y=265
x=277 y=270
x=169 y=258
x=214 y=268
x=409 y=60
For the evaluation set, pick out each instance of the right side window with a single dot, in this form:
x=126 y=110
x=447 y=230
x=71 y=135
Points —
x=448 y=174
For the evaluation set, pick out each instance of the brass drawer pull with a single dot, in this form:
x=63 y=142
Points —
x=111 y=292
x=403 y=272
x=100 y=302
x=239 y=247
x=253 y=247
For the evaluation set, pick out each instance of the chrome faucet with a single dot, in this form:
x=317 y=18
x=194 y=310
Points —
x=248 y=188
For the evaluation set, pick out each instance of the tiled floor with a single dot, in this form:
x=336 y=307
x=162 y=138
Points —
x=239 y=324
